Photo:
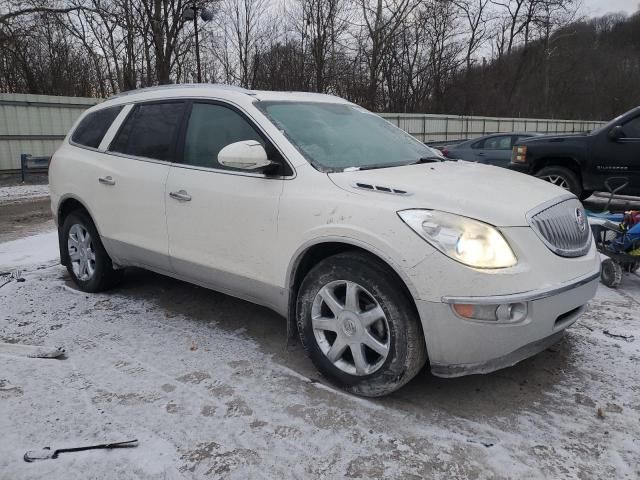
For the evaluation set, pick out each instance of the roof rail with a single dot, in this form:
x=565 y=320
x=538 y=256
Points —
x=218 y=86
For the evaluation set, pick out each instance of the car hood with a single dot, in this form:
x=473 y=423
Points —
x=491 y=194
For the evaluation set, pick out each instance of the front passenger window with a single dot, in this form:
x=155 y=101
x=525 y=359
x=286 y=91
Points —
x=211 y=128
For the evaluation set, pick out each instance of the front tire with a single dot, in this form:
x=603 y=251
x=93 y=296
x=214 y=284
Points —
x=611 y=274
x=562 y=177
x=88 y=262
x=357 y=325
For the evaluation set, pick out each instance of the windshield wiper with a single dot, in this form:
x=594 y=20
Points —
x=381 y=165
x=429 y=159
x=426 y=159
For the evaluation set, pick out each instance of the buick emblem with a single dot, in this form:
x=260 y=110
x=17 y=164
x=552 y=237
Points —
x=580 y=220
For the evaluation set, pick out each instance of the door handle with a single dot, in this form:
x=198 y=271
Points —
x=107 y=180
x=180 y=195
x=482 y=154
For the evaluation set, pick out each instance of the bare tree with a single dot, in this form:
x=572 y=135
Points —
x=321 y=24
x=382 y=19
x=476 y=19
x=241 y=22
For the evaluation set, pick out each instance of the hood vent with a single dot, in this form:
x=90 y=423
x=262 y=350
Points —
x=378 y=188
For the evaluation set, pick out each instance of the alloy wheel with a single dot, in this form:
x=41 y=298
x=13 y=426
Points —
x=558 y=180
x=350 y=327
x=81 y=252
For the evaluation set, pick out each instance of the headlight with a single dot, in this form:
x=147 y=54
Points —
x=468 y=241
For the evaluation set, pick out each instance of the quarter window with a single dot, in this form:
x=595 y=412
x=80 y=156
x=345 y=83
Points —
x=211 y=128
x=150 y=131
x=94 y=126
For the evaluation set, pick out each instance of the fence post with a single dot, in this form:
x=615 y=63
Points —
x=424 y=128
x=24 y=157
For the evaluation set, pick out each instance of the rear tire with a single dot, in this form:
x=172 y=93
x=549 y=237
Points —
x=562 y=177
x=88 y=262
x=336 y=305
x=611 y=274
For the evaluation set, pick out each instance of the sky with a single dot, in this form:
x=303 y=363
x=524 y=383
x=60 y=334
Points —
x=600 y=7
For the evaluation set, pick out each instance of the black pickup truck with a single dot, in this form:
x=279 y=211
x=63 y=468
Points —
x=582 y=163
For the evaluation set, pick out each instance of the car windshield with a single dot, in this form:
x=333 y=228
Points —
x=337 y=136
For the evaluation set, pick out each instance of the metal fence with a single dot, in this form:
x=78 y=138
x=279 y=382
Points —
x=36 y=124
x=436 y=128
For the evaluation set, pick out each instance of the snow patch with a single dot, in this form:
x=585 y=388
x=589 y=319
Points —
x=20 y=193
x=233 y=410
x=41 y=249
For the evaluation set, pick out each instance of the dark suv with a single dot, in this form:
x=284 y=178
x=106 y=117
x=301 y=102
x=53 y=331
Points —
x=582 y=163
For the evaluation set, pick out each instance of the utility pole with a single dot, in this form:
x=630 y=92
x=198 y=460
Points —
x=195 y=26
x=191 y=13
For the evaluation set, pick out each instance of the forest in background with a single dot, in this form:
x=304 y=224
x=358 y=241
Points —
x=527 y=58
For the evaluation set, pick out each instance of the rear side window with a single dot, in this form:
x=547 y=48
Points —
x=498 y=143
x=150 y=131
x=94 y=126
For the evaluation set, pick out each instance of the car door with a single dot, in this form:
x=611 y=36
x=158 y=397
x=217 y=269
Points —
x=619 y=157
x=130 y=190
x=222 y=222
x=495 y=150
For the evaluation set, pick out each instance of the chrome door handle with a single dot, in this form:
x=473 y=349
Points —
x=180 y=195
x=107 y=180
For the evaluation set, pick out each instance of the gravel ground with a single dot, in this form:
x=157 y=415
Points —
x=205 y=383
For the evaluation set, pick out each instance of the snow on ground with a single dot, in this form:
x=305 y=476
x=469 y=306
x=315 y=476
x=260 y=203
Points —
x=204 y=382
x=41 y=249
x=20 y=193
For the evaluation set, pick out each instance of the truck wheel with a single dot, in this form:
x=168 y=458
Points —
x=89 y=263
x=562 y=177
x=358 y=327
x=611 y=274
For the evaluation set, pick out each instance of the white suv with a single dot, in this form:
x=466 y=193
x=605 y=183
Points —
x=381 y=254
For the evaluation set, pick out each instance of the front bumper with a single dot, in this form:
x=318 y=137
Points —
x=458 y=346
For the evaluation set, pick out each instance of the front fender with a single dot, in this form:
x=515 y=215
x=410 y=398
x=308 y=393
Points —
x=399 y=265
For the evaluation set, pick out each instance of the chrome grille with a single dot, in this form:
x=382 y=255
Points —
x=563 y=227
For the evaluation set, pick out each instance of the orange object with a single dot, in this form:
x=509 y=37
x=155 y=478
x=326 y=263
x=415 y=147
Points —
x=464 y=310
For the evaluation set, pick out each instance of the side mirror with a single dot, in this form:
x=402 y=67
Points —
x=246 y=155
x=616 y=133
